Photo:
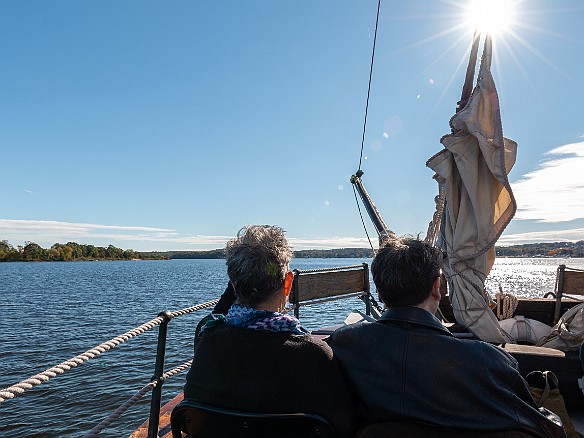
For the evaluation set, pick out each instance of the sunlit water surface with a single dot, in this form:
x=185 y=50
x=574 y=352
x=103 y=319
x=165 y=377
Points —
x=54 y=311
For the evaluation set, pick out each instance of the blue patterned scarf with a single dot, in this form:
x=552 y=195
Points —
x=250 y=318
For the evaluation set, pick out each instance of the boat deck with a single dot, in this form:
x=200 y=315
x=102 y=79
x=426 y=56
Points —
x=164 y=424
x=566 y=365
x=576 y=412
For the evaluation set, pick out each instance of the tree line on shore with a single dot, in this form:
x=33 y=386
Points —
x=555 y=249
x=303 y=254
x=72 y=251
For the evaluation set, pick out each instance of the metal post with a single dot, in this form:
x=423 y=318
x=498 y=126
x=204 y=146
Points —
x=367 y=288
x=295 y=299
x=559 y=292
x=158 y=371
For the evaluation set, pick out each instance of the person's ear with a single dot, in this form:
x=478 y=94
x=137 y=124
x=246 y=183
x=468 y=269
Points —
x=443 y=285
x=288 y=279
x=436 y=288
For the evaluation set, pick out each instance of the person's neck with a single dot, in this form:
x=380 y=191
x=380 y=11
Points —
x=272 y=304
x=430 y=305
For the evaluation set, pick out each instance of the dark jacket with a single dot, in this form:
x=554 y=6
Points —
x=259 y=371
x=407 y=366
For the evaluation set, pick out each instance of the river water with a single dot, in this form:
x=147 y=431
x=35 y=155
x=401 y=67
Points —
x=53 y=311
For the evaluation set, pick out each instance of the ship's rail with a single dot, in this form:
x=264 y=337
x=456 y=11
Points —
x=155 y=384
x=105 y=423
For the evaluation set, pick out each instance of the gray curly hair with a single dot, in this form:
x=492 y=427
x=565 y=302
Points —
x=257 y=262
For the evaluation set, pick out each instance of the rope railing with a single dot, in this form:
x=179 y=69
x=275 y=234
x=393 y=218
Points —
x=37 y=379
x=106 y=422
x=195 y=308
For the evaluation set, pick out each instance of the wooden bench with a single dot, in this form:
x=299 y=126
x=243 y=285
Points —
x=314 y=286
x=569 y=281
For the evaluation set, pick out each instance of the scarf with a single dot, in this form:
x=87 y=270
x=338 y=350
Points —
x=250 y=318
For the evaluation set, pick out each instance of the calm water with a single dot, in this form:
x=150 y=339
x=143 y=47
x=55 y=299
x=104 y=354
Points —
x=54 y=311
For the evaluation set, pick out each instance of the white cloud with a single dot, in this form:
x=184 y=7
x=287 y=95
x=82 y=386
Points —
x=46 y=233
x=554 y=192
x=56 y=225
x=49 y=232
x=330 y=243
x=572 y=235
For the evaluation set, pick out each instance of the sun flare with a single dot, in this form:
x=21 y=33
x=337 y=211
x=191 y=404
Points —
x=490 y=16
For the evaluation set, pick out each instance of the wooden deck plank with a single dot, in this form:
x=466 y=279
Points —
x=164 y=425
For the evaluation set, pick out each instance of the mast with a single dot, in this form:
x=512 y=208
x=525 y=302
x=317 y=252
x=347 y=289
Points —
x=382 y=229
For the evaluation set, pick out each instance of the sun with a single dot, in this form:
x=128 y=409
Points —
x=490 y=16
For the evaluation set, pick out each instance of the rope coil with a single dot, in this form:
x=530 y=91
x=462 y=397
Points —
x=506 y=304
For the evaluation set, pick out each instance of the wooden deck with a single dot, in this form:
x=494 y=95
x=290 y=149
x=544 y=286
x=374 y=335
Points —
x=164 y=424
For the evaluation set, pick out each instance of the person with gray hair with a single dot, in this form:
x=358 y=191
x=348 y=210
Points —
x=247 y=350
x=407 y=366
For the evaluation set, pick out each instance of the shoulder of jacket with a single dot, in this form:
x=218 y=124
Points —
x=310 y=345
x=351 y=328
x=496 y=353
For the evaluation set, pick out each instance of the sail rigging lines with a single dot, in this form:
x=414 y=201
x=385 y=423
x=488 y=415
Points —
x=369 y=83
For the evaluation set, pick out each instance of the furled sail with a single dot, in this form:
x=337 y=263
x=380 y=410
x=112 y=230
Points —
x=478 y=202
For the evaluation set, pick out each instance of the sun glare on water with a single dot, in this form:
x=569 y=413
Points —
x=490 y=16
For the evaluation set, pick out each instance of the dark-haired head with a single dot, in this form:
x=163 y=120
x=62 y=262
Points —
x=404 y=270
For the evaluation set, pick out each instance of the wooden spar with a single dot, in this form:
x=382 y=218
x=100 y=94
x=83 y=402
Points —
x=470 y=72
x=382 y=229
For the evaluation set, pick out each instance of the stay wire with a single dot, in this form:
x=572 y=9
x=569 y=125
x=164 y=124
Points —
x=365 y=120
x=369 y=84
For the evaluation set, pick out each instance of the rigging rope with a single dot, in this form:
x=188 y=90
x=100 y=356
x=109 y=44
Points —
x=369 y=85
x=106 y=422
x=37 y=379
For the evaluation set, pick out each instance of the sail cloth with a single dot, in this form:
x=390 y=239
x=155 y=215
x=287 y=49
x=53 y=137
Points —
x=478 y=201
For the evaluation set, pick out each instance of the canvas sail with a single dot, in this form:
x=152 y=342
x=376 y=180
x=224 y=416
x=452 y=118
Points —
x=478 y=203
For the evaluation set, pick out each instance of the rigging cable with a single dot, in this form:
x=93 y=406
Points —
x=365 y=121
x=369 y=85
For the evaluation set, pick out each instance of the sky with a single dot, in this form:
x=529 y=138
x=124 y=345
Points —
x=170 y=125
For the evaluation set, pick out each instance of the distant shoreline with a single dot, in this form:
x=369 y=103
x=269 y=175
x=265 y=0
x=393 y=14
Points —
x=543 y=250
x=72 y=251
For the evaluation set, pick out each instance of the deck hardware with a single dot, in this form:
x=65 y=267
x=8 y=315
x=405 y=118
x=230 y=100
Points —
x=158 y=372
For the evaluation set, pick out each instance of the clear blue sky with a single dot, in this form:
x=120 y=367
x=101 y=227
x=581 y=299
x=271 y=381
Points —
x=169 y=125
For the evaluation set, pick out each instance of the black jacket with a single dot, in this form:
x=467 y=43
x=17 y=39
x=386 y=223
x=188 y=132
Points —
x=259 y=371
x=407 y=366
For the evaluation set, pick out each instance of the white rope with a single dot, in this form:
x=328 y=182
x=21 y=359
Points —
x=192 y=309
x=105 y=423
x=21 y=387
x=506 y=304
x=37 y=379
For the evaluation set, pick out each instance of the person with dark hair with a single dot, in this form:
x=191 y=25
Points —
x=407 y=366
x=255 y=358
